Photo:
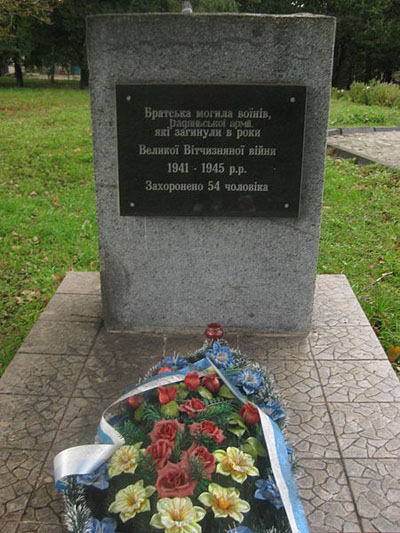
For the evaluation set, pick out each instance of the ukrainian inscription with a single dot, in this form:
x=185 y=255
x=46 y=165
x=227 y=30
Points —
x=210 y=150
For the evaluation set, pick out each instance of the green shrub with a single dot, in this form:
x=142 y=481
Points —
x=358 y=92
x=386 y=94
x=339 y=94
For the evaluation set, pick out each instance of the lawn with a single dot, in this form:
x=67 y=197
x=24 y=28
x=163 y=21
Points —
x=346 y=114
x=48 y=224
x=47 y=208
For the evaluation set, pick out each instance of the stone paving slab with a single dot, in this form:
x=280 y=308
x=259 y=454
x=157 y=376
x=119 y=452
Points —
x=341 y=395
x=368 y=147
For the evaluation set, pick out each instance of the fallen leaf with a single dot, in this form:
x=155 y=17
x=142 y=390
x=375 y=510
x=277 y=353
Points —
x=393 y=353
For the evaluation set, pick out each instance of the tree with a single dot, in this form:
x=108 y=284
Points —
x=367 y=34
x=16 y=17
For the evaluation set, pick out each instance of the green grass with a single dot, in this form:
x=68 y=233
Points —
x=47 y=205
x=360 y=237
x=347 y=114
x=48 y=224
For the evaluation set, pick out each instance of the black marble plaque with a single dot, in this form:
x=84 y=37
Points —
x=210 y=150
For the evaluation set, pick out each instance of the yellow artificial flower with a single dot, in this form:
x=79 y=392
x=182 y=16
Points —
x=225 y=502
x=233 y=462
x=177 y=515
x=125 y=459
x=132 y=500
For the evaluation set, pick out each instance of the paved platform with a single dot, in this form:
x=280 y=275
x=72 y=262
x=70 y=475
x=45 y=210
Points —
x=342 y=397
x=367 y=145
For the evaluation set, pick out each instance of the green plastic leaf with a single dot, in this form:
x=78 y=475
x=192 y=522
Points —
x=170 y=409
x=258 y=447
x=205 y=393
x=247 y=448
x=138 y=414
x=182 y=392
x=237 y=431
x=236 y=425
x=224 y=392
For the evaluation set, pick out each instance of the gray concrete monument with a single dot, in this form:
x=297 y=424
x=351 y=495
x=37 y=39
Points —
x=209 y=136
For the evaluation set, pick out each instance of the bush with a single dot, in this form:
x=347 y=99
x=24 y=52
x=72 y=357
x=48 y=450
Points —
x=358 y=92
x=375 y=93
x=386 y=94
x=339 y=94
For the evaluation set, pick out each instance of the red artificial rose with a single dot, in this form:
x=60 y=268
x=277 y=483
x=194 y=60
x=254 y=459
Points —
x=192 y=381
x=192 y=407
x=249 y=414
x=200 y=453
x=160 y=452
x=207 y=428
x=165 y=369
x=134 y=401
x=166 y=429
x=166 y=394
x=211 y=383
x=174 y=481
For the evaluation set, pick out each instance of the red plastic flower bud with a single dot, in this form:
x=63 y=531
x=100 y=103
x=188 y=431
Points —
x=192 y=381
x=165 y=369
x=134 y=401
x=249 y=414
x=211 y=383
x=166 y=394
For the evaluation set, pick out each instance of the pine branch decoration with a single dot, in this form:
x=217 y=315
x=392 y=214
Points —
x=78 y=518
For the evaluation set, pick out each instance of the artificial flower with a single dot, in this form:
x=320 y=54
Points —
x=268 y=491
x=225 y=502
x=134 y=401
x=201 y=455
x=249 y=380
x=174 y=480
x=166 y=394
x=165 y=369
x=192 y=381
x=207 y=428
x=273 y=410
x=221 y=355
x=249 y=414
x=107 y=525
x=211 y=383
x=192 y=407
x=125 y=459
x=233 y=462
x=175 y=362
x=177 y=515
x=166 y=429
x=160 y=452
x=98 y=479
x=132 y=500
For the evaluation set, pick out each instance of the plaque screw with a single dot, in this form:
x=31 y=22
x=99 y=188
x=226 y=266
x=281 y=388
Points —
x=286 y=206
x=128 y=98
x=292 y=99
x=132 y=204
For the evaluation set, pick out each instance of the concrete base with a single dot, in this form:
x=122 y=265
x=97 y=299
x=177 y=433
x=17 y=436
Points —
x=342 y=398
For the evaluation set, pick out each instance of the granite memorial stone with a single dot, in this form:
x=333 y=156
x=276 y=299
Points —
x=209 y=136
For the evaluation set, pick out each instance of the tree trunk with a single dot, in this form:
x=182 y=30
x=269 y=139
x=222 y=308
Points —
x=84 y=81
x=18 y=72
